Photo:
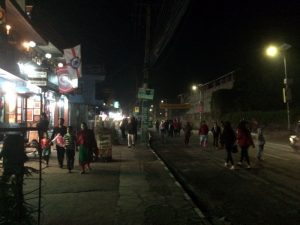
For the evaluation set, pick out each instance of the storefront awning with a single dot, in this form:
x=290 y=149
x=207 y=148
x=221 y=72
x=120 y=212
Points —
x=21 y=86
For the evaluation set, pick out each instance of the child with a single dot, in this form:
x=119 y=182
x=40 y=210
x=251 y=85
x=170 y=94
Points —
x=69 y=140
x=260 y=142
x=46 y=147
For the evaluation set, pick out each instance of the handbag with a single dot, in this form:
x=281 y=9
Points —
x=234 y=149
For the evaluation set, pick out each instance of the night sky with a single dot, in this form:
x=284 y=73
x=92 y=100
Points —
x=214 y=38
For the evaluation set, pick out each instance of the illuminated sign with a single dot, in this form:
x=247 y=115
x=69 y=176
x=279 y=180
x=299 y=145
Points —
x=146 y=93
x=37 y=74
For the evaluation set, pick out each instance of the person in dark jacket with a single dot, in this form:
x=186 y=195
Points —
x=216 y=131
x=60 y=130
x=123 y=127
x=42 y=125
x=228 y=139
x=203 y=133
x=187 y=133
x=245 y=140
x=131 y=131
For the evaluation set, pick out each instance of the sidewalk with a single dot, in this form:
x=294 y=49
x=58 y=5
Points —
x=134 y=189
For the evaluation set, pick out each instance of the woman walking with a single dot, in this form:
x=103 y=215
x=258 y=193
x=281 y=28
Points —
x=228 y=139
x=187 y=133
x=244 y=141
x=82 y=142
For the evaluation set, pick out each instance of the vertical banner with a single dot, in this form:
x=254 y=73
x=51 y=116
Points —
x=73 y=60
x=66 y=81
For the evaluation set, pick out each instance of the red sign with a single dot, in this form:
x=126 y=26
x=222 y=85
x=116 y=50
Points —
x=64 y=82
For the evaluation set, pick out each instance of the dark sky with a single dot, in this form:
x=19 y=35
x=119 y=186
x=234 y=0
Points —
x=214 y=38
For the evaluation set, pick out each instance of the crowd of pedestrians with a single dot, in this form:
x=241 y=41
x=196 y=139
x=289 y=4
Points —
x=224 y=136
x=66 y=143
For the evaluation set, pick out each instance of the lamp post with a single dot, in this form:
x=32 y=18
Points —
x=273 y=51
x=195 y=87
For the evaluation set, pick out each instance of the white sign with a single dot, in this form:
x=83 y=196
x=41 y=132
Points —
x=39 y=82
x=37 y=74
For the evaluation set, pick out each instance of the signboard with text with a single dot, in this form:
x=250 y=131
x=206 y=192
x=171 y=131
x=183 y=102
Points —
x=146 y=93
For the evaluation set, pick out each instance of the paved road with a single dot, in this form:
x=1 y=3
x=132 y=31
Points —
x=267 y=194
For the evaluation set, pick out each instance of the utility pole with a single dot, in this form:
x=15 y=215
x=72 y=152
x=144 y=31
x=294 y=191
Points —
x=147 y=45
x=145 y=102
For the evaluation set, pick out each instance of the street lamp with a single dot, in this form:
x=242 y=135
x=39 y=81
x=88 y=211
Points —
x=273 y=51
x=195 y=87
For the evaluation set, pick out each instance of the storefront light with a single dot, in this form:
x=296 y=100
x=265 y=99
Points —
x=8 y=87
x=8 y=28
x=115 y=115
x=48 y=55
x=10 y=98
x=26 y=45
x=26 y=68
x=32 y=44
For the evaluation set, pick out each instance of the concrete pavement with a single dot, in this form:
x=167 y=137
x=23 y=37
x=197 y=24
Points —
x=136 y=188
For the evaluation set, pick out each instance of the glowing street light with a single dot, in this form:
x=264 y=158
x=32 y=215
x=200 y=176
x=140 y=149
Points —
x=274 y=51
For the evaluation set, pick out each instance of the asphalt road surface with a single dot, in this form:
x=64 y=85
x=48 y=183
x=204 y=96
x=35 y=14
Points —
x=266 y=194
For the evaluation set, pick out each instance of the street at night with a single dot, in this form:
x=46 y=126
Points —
x=149 y=112
x=268 y=193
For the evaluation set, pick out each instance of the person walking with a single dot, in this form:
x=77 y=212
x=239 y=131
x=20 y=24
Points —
x=131 y=131
x=82 y=140
x=46 y=148
x=123 y=127
x=216 y=131
x=157 y=126
x=228 y=139
x=162 y=128
x=261 y=143
x=42 y=125
x=244 y=140
x=187 y=133
x=176 y=127
x=70 y=145
x=203 y=133
x=58 y=133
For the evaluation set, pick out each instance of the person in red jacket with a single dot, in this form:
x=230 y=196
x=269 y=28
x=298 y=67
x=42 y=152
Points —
x=203 y=133
x=86 y=142
x=244 y=140
x=46 y=147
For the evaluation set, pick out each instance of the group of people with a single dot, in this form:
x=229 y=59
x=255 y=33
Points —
x=225 y=136
x=171 y=128
x=67 y=142
x=129 y=126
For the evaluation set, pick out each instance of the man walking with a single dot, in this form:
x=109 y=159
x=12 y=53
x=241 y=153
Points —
x=61 y=130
